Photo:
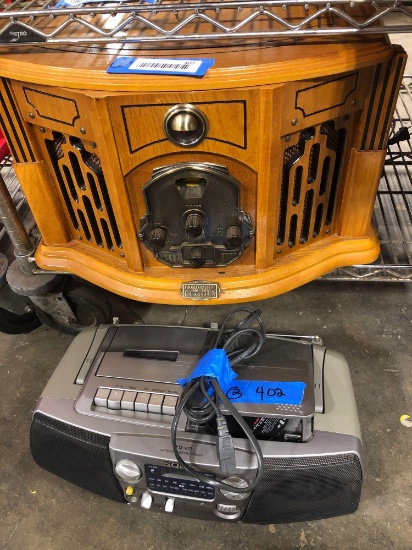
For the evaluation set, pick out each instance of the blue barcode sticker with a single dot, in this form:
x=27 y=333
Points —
x=215 y=364
x=156 y=65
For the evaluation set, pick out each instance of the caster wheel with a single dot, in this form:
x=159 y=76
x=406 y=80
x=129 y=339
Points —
x=89 y=308
x=11 y=323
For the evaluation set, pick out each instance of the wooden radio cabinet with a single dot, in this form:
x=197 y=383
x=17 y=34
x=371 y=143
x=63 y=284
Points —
x=243 y=184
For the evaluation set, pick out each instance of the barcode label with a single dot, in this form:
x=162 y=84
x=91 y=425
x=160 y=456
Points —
x=177 y=65
x=158 y=65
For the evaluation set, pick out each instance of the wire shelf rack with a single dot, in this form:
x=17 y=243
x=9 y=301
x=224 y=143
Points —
x=25 y=22
x=16 y=194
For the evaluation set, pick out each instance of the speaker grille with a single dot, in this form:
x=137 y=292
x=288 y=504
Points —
x=84 y=192
x=13 y=126
x=310 y=183
x=306 y=488
x=76 y=455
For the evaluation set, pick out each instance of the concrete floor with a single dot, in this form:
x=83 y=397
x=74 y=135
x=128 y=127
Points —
x=371 y=324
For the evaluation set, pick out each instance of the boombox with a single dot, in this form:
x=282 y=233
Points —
x=104 y=423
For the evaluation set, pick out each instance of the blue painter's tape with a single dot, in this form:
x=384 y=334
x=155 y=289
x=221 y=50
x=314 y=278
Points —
x=255 y=391
x=215 y=364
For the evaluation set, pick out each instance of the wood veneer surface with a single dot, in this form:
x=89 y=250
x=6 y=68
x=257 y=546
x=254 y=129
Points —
x=235 y=67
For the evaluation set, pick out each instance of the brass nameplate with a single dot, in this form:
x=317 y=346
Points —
x=200 y=290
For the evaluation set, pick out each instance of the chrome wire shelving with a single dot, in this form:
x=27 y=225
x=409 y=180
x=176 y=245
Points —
x=25 y=22
x=19 y=200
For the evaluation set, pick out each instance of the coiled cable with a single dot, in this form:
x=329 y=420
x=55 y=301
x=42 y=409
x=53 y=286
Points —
x=201 y=398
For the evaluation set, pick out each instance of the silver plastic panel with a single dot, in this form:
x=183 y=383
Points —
x=124 y=363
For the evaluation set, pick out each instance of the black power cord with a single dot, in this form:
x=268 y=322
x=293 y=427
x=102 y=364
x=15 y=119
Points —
x=201 y=399
x=401 y=135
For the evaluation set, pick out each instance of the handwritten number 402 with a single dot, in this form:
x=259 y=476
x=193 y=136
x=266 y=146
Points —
x=270 y=392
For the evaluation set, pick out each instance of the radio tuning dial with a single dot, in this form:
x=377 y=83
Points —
x=194 y=225
x=128 y=471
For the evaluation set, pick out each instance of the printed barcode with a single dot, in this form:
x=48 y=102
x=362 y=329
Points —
x=166 y=65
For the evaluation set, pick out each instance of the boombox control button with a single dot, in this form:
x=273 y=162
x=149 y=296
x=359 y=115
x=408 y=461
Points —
x=129 y=491
x=100 y=399
x=146 y=501
x=128 y=471
x=127 y=402
x=133 y=401
x=155 y=403
x=169 y=505
x=141 y=402
x=114 y=399
x=169 y=405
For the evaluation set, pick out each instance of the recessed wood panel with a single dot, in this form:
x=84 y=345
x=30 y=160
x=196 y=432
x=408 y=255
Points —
x=233 y=125
x=314 y=101
x=58 y=109
x=326 y=95
x=143 y=124
x=51 y=106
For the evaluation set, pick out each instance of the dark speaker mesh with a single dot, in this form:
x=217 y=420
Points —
x=306 y=488
x=79 y=456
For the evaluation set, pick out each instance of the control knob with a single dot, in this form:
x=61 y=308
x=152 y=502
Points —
x=194 y=225
x=234 y=481
x=128 y=471
x=198 y=256
x=227 y=511
x=234 y=236
x=157 y=238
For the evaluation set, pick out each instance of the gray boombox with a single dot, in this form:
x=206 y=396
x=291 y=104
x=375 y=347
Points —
x=104 y=421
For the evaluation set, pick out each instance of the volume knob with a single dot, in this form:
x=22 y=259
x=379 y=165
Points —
x=194 y=225
x=157 y=237
x=128 y=471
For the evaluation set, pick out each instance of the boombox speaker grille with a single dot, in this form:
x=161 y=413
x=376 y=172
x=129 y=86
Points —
x=306 y=488
x=79 y=456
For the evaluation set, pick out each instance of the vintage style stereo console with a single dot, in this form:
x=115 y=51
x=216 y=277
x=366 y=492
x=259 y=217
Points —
x=240 y=185
x=104 y=422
